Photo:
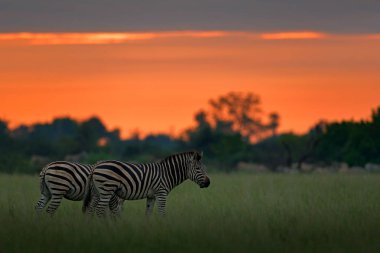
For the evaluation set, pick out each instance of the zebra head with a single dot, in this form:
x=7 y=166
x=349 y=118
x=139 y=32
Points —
x=197 y=170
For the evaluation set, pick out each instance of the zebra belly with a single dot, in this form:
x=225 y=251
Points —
x=74 y=196
x=129 y=194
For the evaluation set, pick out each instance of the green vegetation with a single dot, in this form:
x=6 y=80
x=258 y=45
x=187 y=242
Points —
x=232 y=130
x=238 y=213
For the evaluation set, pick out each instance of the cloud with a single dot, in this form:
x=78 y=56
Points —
x=374 y=36
x=125 y=37
x=91 y=38
x=292 y=35
x=74 y=38
x=332 y=16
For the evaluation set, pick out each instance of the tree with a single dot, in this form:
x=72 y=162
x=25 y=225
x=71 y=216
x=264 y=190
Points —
x=5 y=140
x=313 y=139
x=91 y=131
x=240 y=112
x=376 y=116
x=274 y=122
x=202 y=135
x=3 y=128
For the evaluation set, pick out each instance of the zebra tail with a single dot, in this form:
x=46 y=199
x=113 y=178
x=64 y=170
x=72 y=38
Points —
x=43 y=187
x=87 y=193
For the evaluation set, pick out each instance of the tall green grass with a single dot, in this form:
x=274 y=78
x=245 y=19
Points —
x=237 y=213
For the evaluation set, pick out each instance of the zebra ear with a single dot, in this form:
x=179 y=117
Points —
x=198 y=155
x=192 y=157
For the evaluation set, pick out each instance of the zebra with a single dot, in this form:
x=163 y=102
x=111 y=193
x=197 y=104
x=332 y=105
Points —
x=132 y=181
x=68 y=180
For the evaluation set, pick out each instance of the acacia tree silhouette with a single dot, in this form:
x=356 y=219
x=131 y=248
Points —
x=241 y=112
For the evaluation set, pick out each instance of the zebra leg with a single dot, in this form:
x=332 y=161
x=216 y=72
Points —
x=116 y=205
x=161 y=203
x=149 y=205
x=120 y=203
x=104 y=202
x=42 y=202
x=45 y=195
x=54 y=204
x=92 y=205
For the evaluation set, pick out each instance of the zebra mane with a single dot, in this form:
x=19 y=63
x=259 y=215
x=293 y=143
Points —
x=194 y=152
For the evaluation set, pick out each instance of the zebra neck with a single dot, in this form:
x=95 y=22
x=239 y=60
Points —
x=174 y=173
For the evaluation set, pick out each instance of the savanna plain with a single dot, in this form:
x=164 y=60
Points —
x=332 y=212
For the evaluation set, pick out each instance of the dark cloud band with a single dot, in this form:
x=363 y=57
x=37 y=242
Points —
x=336 y=16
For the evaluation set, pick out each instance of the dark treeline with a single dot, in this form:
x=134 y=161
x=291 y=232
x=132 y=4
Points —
x=231 y=131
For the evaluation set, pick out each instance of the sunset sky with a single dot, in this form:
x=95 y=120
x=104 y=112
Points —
x=150 y=65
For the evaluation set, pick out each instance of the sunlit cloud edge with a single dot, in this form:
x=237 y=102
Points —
x=94 y=38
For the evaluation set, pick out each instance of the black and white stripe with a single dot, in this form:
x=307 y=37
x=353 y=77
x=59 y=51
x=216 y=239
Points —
x=152 y=181
x=65 y=180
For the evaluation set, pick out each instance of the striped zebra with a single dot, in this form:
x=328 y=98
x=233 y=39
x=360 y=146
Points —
x=66 y=180
x=153 y=181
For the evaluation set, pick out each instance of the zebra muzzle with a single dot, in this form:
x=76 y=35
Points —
x=205 y=183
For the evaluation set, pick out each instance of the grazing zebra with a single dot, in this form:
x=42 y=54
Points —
x=66 y=179
x=152 y=181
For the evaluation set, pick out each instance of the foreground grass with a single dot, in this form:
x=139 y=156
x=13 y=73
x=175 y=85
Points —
x=238 y=213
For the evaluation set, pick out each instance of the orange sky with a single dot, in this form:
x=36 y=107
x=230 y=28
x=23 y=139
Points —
x=155 y=82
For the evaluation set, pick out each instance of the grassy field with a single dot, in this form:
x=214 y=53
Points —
x=237 y=213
